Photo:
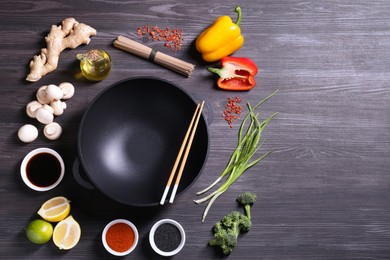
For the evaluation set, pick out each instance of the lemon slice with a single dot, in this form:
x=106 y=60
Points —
x=67 y=233
x=55 y=209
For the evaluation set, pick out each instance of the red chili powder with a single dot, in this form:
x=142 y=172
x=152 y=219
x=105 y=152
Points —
x=120 y=237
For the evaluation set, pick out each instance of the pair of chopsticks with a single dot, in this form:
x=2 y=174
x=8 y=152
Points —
x=186 y=144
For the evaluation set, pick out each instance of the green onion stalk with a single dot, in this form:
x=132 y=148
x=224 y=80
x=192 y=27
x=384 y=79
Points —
x=241 y=159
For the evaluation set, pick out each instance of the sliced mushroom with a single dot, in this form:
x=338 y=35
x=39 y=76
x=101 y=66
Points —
x=27 y=133
x=32 y=107
x=67 y=89
x=53 y=92
x=44 y=116
x=52 y=131
x=58 y=107
x=42 y=96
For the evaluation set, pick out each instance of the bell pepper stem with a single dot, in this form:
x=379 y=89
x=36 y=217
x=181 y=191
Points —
x=239 y=13
x=215 y=70
x=224 y=73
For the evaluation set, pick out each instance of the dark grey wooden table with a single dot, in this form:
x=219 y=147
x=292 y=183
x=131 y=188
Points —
x=324 y=193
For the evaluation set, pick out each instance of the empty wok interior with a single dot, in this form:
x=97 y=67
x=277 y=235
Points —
x=130 y=136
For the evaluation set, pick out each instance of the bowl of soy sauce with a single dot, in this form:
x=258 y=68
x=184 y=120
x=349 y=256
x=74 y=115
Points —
x=42 y=169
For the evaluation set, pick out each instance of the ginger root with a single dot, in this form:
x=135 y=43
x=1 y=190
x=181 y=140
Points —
x=70 y=34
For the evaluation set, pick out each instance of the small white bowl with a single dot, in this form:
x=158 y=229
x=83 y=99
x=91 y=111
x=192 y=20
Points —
x=153 y=243
x=26 y=160
x=108 y=248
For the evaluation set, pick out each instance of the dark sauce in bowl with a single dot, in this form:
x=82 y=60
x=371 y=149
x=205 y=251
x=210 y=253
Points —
x=43 y=170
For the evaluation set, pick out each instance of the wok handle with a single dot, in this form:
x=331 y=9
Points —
x=77 y=174
x=210 y=109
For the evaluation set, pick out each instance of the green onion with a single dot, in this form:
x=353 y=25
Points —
x=241 y=159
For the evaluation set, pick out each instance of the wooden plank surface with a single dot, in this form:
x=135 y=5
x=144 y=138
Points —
x=324 y=193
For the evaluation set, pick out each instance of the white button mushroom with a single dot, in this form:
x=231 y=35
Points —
x=52 y=131
x=32 y=107
x=48 y=108
x=67 y=89
x=27 y=133
x=44 y=116
x=58 y=107
x=42 y=95
x=53 y=92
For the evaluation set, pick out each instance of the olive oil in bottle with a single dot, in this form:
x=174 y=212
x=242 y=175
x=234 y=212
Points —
x=95 y=64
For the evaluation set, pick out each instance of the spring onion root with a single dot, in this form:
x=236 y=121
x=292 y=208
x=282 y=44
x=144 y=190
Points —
x=241 y=159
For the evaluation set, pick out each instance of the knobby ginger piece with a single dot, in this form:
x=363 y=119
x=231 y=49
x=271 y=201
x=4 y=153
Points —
x=70 y=34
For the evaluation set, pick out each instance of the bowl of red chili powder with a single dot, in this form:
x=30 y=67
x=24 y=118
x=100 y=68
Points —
x=120 y=237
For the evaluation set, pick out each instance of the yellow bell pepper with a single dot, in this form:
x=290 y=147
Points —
x=221 y=39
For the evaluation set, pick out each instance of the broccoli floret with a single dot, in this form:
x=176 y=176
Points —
x=226 y=231
x=235 y=220
x=225 y=240
x=247 y=199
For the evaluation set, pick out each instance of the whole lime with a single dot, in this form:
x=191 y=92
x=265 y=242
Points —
x=39 y=231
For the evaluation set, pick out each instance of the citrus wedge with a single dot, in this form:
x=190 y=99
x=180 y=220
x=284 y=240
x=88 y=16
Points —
x=55 y=209
x=67 y=233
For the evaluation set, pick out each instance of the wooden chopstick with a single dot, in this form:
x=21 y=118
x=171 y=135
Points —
x=187 y=146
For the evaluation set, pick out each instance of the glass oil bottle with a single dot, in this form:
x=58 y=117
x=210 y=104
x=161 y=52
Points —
x=95 y=64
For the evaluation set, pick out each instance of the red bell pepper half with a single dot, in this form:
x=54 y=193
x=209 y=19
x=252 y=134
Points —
x=237 y=73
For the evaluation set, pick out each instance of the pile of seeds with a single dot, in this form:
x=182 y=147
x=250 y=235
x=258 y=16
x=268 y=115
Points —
x=172 y=38
x=232 y=110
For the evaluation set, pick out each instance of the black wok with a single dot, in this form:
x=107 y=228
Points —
x=130 y=135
